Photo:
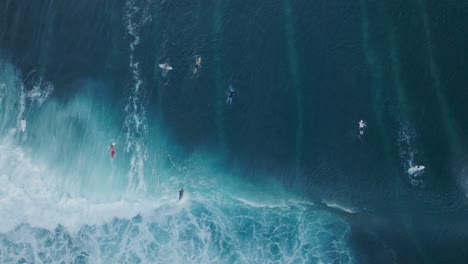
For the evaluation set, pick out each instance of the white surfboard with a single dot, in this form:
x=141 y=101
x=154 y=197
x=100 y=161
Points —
x=167 y=68
x=23 y=125
x=415 y=169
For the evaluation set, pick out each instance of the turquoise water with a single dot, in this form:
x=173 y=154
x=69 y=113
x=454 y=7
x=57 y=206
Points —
x=279 y=176
x=67 y=202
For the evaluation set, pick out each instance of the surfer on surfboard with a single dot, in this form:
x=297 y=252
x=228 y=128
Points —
x=23 y=124
x=415 y=169
x=165 y=67
x=197 y=64
x=362 y=125
x=230 y=93
x=112 y=150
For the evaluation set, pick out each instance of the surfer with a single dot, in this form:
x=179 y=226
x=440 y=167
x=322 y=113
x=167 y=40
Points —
x=23 y=124
x=167 y=67
x=230 y=93
x=112 y=150
x=197 y=64
x=181 y=193
x=415 y=169
x=362 y=125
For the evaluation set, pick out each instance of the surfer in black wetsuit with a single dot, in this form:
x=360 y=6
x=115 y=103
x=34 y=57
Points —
x=230 y=93
x=181 y=193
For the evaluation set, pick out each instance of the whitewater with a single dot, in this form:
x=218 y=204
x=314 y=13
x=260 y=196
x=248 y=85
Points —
x=62 y=200
x=281 y=175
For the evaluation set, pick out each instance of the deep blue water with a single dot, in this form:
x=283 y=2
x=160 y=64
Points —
x=279 y=176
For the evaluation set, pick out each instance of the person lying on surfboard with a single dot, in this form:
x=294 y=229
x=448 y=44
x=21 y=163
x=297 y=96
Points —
x=415 y=169
x=362 y=125
x=167 y=67
x=230 y=93
x=197 y=64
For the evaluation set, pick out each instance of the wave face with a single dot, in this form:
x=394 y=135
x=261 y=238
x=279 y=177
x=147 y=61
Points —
x=281 y=175
x=67 y=202
x=198 y=230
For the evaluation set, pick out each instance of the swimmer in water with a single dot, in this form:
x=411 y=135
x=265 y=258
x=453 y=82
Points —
x=197 y=64
x=362 y=125
x=112 y=150
x=230 y=93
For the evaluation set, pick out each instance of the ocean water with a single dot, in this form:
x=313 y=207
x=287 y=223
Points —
x=281 y=175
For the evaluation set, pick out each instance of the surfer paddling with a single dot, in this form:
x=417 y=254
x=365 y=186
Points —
x=362 y=125
x=415 y=169
x=197 y=64
x=230 y=94
x=165 y=66
x=165 y=69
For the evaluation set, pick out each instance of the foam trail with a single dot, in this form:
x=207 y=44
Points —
x=3 y=99
x=405 y=134
x=369 y=51
x=219 y=86
x=396 y=65
x=408 y=154
x=297 y=86
x=40 y=91
x=8 y=94
x=37 y=95
x=376 y=76
x=21 y=106
x=13 y=92
x=341 y=207
x=450 y=126
x=135 y=123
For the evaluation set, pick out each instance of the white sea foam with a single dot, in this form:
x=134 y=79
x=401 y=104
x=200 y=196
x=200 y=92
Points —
x=46 y=224
x=408 y=154
x=341 y=207
x=206 y=226
x=39 y=92
x=135 y=123
x=28 y=195
x=52 y=217
x=281 y=204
